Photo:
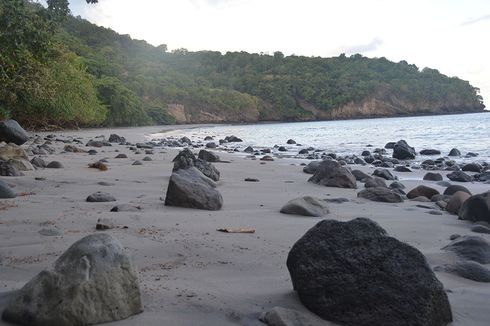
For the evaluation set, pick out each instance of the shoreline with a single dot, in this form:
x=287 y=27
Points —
x=189 y=273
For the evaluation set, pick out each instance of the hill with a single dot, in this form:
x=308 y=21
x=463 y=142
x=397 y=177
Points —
x=131 y=82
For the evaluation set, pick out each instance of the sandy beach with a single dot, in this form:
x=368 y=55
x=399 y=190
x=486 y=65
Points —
x=189 y=273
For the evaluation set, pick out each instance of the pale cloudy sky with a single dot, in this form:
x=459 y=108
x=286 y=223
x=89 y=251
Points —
x=448 y=35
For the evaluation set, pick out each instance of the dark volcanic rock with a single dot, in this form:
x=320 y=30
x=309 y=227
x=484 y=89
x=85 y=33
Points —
x=422 y=190
x=12 y=132
x=186 y=159
x=311 y=167
x=192 y=189
x=472 y=167
x=471 y=248
x=208 y=156
x=390 y=145
x=126 y=208
x=430 y=152
x=100 y=196
x=380 y=194
x=476 y=208
x=54 y=165
x=384 y=173
x=93 y=282
x=291 y=142
x=403 y=151
x=375 y=182
x=459 y=176
x=480 y=229
x=352 y=273
x=432 y=176
x=454 y=188
x=360 y=176
x=233 y=139
x=456 y=201
x=8 y=170
x=249 y=149
x=307 y=206
x=114 y=138
x=211 y=145
x=6 y=191
x=454 y=152
x=401 y=168
x=467 y=269
x=331 y=174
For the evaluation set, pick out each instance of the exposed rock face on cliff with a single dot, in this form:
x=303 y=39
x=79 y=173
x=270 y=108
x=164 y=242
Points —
x=368 y=108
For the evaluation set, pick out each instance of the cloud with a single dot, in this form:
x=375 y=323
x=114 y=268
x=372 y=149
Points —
x=363 y=48
x=475 y=20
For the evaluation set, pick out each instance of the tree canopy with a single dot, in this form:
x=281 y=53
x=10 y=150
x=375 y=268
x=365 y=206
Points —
x=56 y=69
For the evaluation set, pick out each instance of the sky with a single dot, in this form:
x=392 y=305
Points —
x=448 y=35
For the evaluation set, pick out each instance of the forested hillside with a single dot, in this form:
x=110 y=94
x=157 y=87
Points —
x=69 y=72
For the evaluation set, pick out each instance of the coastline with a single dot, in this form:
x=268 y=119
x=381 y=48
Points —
x=189 y=273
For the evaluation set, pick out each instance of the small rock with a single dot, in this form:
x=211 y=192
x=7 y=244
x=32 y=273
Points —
x=422 y=190
x=6 y=191
x=100 y=196
x=12 y=132
x=251 y=180
x=432 y=176
x=480 y=229
x=452 y=189
x=54 y=165
x=459 y=176
x=51 y=232
x=104 y=223
x=122 y=155
x=454 y=152
x=279 y=316
x=456 y=201
x=307 y=206
x=466 y=269
x=137 y=162
x=471 y=248
x=125 y=208
x=380 y=194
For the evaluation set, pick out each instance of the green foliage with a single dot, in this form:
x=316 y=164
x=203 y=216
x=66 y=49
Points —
x=82 y=74
x=125 y=108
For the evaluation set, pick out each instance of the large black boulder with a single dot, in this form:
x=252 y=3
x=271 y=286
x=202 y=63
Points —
x=476 y=208
x=403 y=151
x=352 y=273
x=12 y=132
x=192 y=189
x=331 y=174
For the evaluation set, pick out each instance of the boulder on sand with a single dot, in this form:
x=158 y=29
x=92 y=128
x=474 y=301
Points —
x=403 y=151
x=422 y=190
x=186 y=159
x=331 y=174
x=456 y=201
x=352 y=273
x=192 y=189
x=471 y=247
x=307 y=206
x=381 y=194
x=6 y=191
x=12 y=132
x=93 y=282
x=208 y=156
x=476 y=208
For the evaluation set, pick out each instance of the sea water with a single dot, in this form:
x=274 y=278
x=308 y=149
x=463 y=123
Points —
x=466 y=132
